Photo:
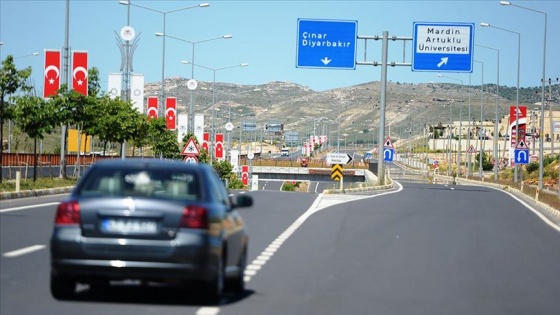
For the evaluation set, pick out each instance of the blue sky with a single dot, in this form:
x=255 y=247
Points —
x=265 y=33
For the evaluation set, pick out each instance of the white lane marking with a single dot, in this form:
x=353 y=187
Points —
x=319 y=204
x=29 y=207
x=261 y=260
x=24 y=251
x=535 y=211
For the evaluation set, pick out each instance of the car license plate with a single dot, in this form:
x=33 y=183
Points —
x=129 y=226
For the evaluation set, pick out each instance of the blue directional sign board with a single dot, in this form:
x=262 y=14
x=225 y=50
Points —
x=521 y=156
x=326 y=44
x=443 y=47
x=388 y=154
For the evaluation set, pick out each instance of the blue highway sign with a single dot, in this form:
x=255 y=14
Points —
x=388 y=154
x=443 y=47
x=521 y=156
x=326 y=44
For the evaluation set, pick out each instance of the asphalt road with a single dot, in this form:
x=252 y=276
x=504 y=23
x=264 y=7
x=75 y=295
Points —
x=423 y=249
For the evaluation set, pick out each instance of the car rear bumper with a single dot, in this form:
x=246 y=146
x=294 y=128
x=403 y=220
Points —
x=119 y=270
x=185 y=257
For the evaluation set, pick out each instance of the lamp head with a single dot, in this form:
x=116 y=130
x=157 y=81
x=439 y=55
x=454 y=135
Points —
x=185 y=62
x=484 y=24
x=35 y=54
x=244 y=65
x=204 y=5
x=505 y=3
x=228 y=36
x=124 y=2
x=159 y=34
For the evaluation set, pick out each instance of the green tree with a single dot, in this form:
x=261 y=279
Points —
x=140 y=134
x=35 y=117
x=163 y=141
x=11 y=81
x=224 y=170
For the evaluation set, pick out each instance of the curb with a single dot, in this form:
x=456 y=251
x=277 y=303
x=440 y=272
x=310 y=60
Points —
x=35 y=193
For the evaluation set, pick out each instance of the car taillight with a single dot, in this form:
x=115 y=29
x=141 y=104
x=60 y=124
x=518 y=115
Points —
x=68 y=213
x=194 y=217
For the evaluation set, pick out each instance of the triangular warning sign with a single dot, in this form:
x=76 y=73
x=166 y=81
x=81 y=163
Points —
x=521 y=145
x=191 y=148
x=388 y=143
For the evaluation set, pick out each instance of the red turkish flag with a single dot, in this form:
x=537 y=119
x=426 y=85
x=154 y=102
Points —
x=205 y=139
x=51 y=73
x=170 y=113
x=219 y=152
x=80 y=72
x=152 y=107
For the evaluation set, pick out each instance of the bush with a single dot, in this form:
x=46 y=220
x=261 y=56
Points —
x=532 y=167
x=290 y=186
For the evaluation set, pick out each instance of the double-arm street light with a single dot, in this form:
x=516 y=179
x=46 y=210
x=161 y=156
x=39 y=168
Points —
x=193 y=43
x=214 y=96
x=460 y=128
x=495 y=138
x=541 y=143
x=164 y=13
x=517 y=97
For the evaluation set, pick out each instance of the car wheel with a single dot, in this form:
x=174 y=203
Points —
x=237 y=284
x=62 y=287
x=215 y=286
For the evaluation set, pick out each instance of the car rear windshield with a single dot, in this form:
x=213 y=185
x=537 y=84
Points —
x=120 y=182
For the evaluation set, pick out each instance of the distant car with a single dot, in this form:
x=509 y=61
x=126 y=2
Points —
x=304 y=162
x=284 y=152
x=149 y=220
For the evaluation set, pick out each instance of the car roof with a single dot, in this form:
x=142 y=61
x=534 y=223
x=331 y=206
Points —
x=150 y=163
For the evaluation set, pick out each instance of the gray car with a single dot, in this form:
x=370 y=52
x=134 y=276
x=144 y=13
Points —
x=153 y=221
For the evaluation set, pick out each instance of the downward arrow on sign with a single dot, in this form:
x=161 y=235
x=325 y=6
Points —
x=326 y=61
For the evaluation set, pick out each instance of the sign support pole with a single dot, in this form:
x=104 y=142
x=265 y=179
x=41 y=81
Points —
x=382 y=101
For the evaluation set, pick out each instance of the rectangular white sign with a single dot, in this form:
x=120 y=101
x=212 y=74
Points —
x=137 y=92
x=234 y=160
x=556 y=127
x=199 y=127
x=114 y=85
x=182 y=125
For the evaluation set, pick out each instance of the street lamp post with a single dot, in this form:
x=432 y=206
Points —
x=193 y=43
x=480 y=168
x=164 y=13
x=517 y=97
x=541 y=143
x=214 y=97
x=460 y=126
x=495 y=140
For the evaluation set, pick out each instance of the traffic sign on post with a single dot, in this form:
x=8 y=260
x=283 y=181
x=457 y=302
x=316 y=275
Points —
x=336 y=172
x=443 y=47
x=191 y=149
x=338 y=158
x=328 y=44
x=388 y=154
x=521 y=153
